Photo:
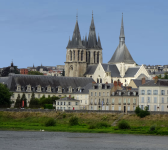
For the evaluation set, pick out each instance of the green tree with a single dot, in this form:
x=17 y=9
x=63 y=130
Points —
x=18 y=102
x=34 y=102
x=35 y=73
x=5 y=96
x=24 y=99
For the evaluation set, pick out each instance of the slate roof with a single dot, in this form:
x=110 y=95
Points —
x=85 y=89
x=142 y=76
x=160 y=82
x=131 y=71
x=112 y=68
x=44 y=81
x=139 y=82
x=121 y=54
x=91 y=42
x=90 y=69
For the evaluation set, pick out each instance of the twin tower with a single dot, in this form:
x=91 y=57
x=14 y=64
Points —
x=82 y=53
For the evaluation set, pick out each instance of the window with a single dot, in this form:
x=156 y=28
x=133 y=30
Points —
x=85 y=101
x=162 y=108
x=155 y=99
x=13 y=96
x=91 y=94
x=119 y=100
x=129 y=101
x=69 y=108
x=69 y=103
x=61 y=103
x=142 y=107
x=128 y=108
x=134 y=93
x=149 y=92
x=155 y=107
x=142 y=99
x=119 y=93
x=28 y=95
x=95 y=93
x=162 y=92
x=76 y=103
x=64 y=103
x=38 y=89
x=119 y=107
x=113 y=100
x=148 y=106
x=142 y=92
x=155 y=92
x=57 y=103
x=57 y=107
x=128 y=93
x=124 y=100
x=107 y=100
x=99 y=93
x=103 y=94
x=86 y=96
x=112 y=107
x=148 y=100
x=28 y=88
x=133 y=107
x=107 y=93
x=134 y=101
x=162 y=99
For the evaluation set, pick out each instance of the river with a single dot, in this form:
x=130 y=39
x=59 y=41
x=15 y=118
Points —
x=26 y=140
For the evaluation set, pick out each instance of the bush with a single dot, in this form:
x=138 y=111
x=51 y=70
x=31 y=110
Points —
x=153 y=128
x=92 y=127
x=48 y=106
x=50 y=122
x=102 y=124
x=73 y=121
x=142 y=113
x=123 y=125
x=64 y=115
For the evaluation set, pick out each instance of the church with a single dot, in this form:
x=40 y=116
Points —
x=84 y=58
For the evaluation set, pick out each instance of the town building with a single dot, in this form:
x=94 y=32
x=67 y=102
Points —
x=23 y=71
x=154 y=95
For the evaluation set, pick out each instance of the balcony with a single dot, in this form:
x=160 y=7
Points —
x=112 y=103
x=134 y=103
x=128 y=103
x=91 y=103
x=95 y=103
x=124 y=103
x=119 y=103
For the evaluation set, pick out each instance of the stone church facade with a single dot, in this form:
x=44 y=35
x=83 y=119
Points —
x=82 y=53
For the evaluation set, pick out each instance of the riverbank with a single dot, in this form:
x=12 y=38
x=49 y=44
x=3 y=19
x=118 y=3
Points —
x=35 y=121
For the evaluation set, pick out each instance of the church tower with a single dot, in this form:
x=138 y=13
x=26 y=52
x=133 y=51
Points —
x=75 y=65
x=82 y=53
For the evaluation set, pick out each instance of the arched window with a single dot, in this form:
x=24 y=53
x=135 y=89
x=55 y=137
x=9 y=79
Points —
x=100 y=80
x=97 y=80
x=78 y=55
x=74 y=55
x=97 y=57
x=94 y=57
x=71 y=55
x=82 y=55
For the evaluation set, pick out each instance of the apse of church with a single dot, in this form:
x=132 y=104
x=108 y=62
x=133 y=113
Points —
x=82 y=53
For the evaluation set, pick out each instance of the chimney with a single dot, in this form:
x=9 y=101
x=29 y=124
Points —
x=156 y=79
x=70 y=96
x=143 y=81
x=115 y=83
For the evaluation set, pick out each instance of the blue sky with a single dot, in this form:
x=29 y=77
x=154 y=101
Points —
x=37 y=31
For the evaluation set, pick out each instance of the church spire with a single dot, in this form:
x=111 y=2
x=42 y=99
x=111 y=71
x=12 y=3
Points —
x=92 y=40
x=122 y=36
x=76 y=38
x=99 y=43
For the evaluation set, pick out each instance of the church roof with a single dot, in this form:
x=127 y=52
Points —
x=131 y=71
x=91 y=69
x=111 y=68
x=92 y=40
x=76 y=38
x=122 y=53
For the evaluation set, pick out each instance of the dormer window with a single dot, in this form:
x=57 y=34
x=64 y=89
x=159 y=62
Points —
x=49 y=89
x=112 y=93
x=28 y=88
x=128 y=93
x=70 y=89
x=39 y=88
x=119 y=93
x=134 y=93
x=18 y=88
x=59 y=89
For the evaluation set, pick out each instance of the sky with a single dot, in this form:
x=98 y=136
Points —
x=37 y=31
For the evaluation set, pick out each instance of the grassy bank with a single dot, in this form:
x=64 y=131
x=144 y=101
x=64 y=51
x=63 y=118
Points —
x=88 y=122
